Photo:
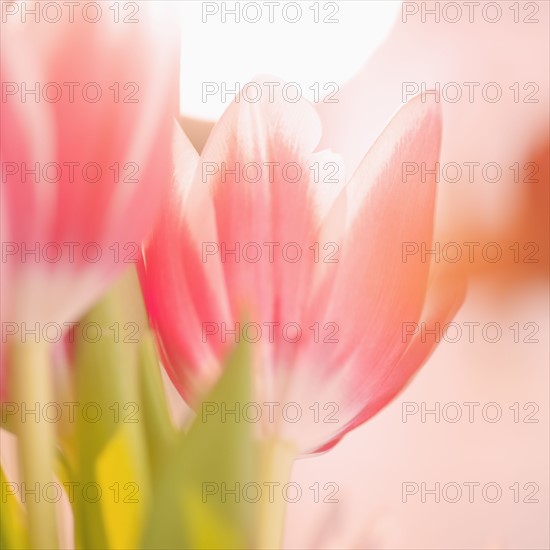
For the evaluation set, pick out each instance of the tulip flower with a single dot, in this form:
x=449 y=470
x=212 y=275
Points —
x=264 y=241
x=88 y=96
x=87 y=109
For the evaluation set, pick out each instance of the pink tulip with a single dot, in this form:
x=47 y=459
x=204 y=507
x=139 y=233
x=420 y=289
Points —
x=87 y=108
x=351 y=294
x=89 y=91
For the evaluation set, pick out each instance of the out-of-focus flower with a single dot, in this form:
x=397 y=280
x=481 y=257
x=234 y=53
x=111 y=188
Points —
x=88 y=96
x=88 y=99
x=263 y=237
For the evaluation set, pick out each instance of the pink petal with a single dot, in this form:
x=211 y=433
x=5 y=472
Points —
x=261 y=214
x=176 y=290
x=444 y=297
x=112 y=216
x=373 y=291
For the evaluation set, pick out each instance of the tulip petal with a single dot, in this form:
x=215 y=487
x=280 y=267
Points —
x=444 y=298
x=374 y=289
x=257 y=180
x=171 y=260
x=90 y=140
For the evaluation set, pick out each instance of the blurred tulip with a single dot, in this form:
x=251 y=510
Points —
x=349 y=300
x=87 y=110
x=88 y=96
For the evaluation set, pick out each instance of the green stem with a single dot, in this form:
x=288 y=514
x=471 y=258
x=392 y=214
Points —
x=32 y=385
x=276 y=458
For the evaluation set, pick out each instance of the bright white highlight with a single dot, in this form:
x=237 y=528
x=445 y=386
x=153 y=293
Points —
x=324 y=47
